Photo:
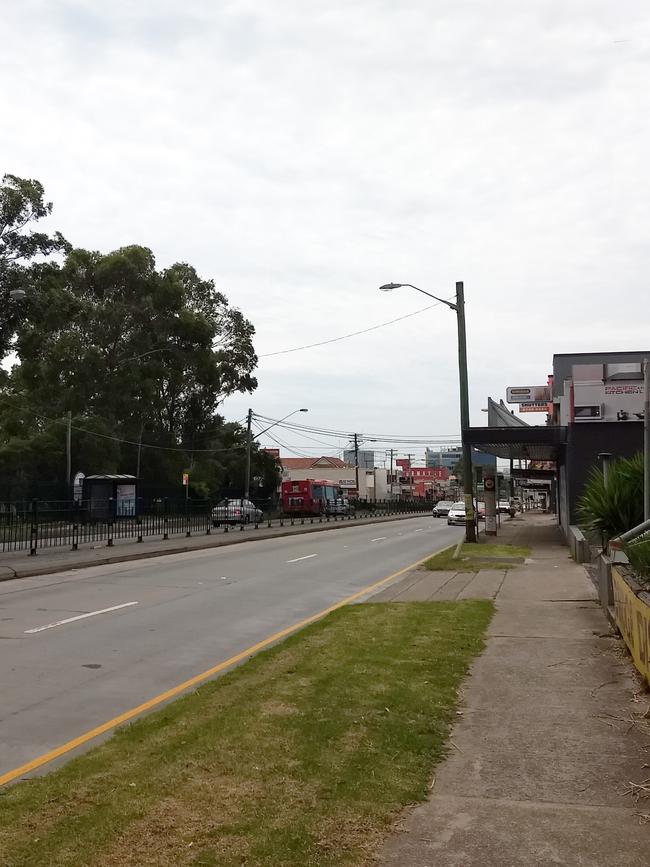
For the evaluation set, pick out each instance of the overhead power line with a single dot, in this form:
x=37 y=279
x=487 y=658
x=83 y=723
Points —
x=414 y=439
x=352 y=333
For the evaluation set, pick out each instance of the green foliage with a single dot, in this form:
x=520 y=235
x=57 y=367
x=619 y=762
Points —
x=136 y=354
x=21 y=204
x=638 y=553
x=609 y=512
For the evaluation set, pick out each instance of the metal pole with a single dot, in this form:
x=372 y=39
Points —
x=646 y=440
x=356 y=464
x=137 y=471
x=247 y=486
x=391 y=474
x=470 y=530
x=68 y=446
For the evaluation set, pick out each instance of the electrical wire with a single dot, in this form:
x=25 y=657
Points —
x=413 y=439
x=353 y=333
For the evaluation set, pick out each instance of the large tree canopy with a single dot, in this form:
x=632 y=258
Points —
x=22 y=203
x=136 y=354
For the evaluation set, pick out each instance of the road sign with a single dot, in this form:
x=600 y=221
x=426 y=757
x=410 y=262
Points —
x=528 y=393
x=186 y=479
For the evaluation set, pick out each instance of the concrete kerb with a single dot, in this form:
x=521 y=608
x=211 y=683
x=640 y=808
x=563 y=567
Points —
x=75 y=561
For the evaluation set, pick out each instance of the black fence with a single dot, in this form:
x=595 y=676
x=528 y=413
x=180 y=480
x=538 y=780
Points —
x=41 y=524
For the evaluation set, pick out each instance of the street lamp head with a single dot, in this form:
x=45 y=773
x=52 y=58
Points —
x=388 y=287
x=17 y=294
x=303 y=410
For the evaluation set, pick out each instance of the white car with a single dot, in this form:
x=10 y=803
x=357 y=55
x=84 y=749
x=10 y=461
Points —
x=457 y=514
x=235 y=512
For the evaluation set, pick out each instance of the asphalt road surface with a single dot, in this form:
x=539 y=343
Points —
x=81 y=647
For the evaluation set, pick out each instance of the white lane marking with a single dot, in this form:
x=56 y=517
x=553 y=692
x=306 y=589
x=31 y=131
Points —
x=224 y=578
x=421 y=530
x=306 y=557
x=378 y=539
x=79 y=617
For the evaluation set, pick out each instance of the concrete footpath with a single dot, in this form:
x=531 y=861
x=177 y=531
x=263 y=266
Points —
x=48 y=560
x=551 y=734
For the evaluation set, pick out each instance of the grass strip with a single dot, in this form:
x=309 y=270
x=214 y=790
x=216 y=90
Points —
x=302 y=756
x=470 y=557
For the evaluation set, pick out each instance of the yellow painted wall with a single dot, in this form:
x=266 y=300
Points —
x=633 y=620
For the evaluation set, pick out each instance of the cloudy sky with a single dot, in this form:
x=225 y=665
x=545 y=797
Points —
x=301 y=153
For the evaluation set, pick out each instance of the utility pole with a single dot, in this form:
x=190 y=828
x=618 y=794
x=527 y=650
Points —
x=356 y=463
x=68 y=448
x=470 y=529
x=137 y=471
x=459 y=309
x=391 y=473
x=646 y=440
x=247 y=485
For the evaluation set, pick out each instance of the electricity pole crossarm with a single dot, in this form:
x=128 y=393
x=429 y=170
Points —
x=249 y=442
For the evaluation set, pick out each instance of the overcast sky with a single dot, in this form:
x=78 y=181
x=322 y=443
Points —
x=301 y=153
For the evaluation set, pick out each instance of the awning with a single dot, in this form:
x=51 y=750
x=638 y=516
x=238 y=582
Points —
x=534 y=443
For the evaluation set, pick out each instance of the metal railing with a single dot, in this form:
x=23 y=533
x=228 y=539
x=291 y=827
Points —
x=38 y=524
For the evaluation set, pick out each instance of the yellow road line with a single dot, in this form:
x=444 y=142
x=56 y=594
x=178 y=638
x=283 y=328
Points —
x=39 y=761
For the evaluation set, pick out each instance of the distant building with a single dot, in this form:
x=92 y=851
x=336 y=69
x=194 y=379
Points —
x=448 y=458
x=366 y=458
x=598 y=399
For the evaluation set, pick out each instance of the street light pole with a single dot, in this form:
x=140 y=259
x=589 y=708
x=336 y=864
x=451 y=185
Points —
x=247 y=487
x=356 y=464
x=468 y=482
x=459 y=308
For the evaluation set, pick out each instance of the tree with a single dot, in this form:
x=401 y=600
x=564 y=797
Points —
x=21 y=204
x=136 y=354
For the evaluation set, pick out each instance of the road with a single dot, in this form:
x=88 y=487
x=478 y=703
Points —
x=83 y=646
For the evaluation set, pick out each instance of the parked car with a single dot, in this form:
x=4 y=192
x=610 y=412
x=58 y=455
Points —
x=480 y=511
x=235 y=512
x=441 y=509
x=338 y=506
x=504 y=507
x=457 y=514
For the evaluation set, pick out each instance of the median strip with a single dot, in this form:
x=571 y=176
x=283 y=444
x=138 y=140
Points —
x=304 y=755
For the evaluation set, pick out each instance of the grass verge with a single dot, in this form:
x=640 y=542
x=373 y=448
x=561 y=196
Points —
x=302 y=756
x=472 y=557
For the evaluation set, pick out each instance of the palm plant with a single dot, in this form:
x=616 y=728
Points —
x=612 y=510
x=638 y=553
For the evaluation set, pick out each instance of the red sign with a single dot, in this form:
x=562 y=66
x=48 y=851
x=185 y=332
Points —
x=537 y=406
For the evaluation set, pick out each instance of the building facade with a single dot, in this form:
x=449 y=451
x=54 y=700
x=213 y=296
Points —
x=598 y=398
